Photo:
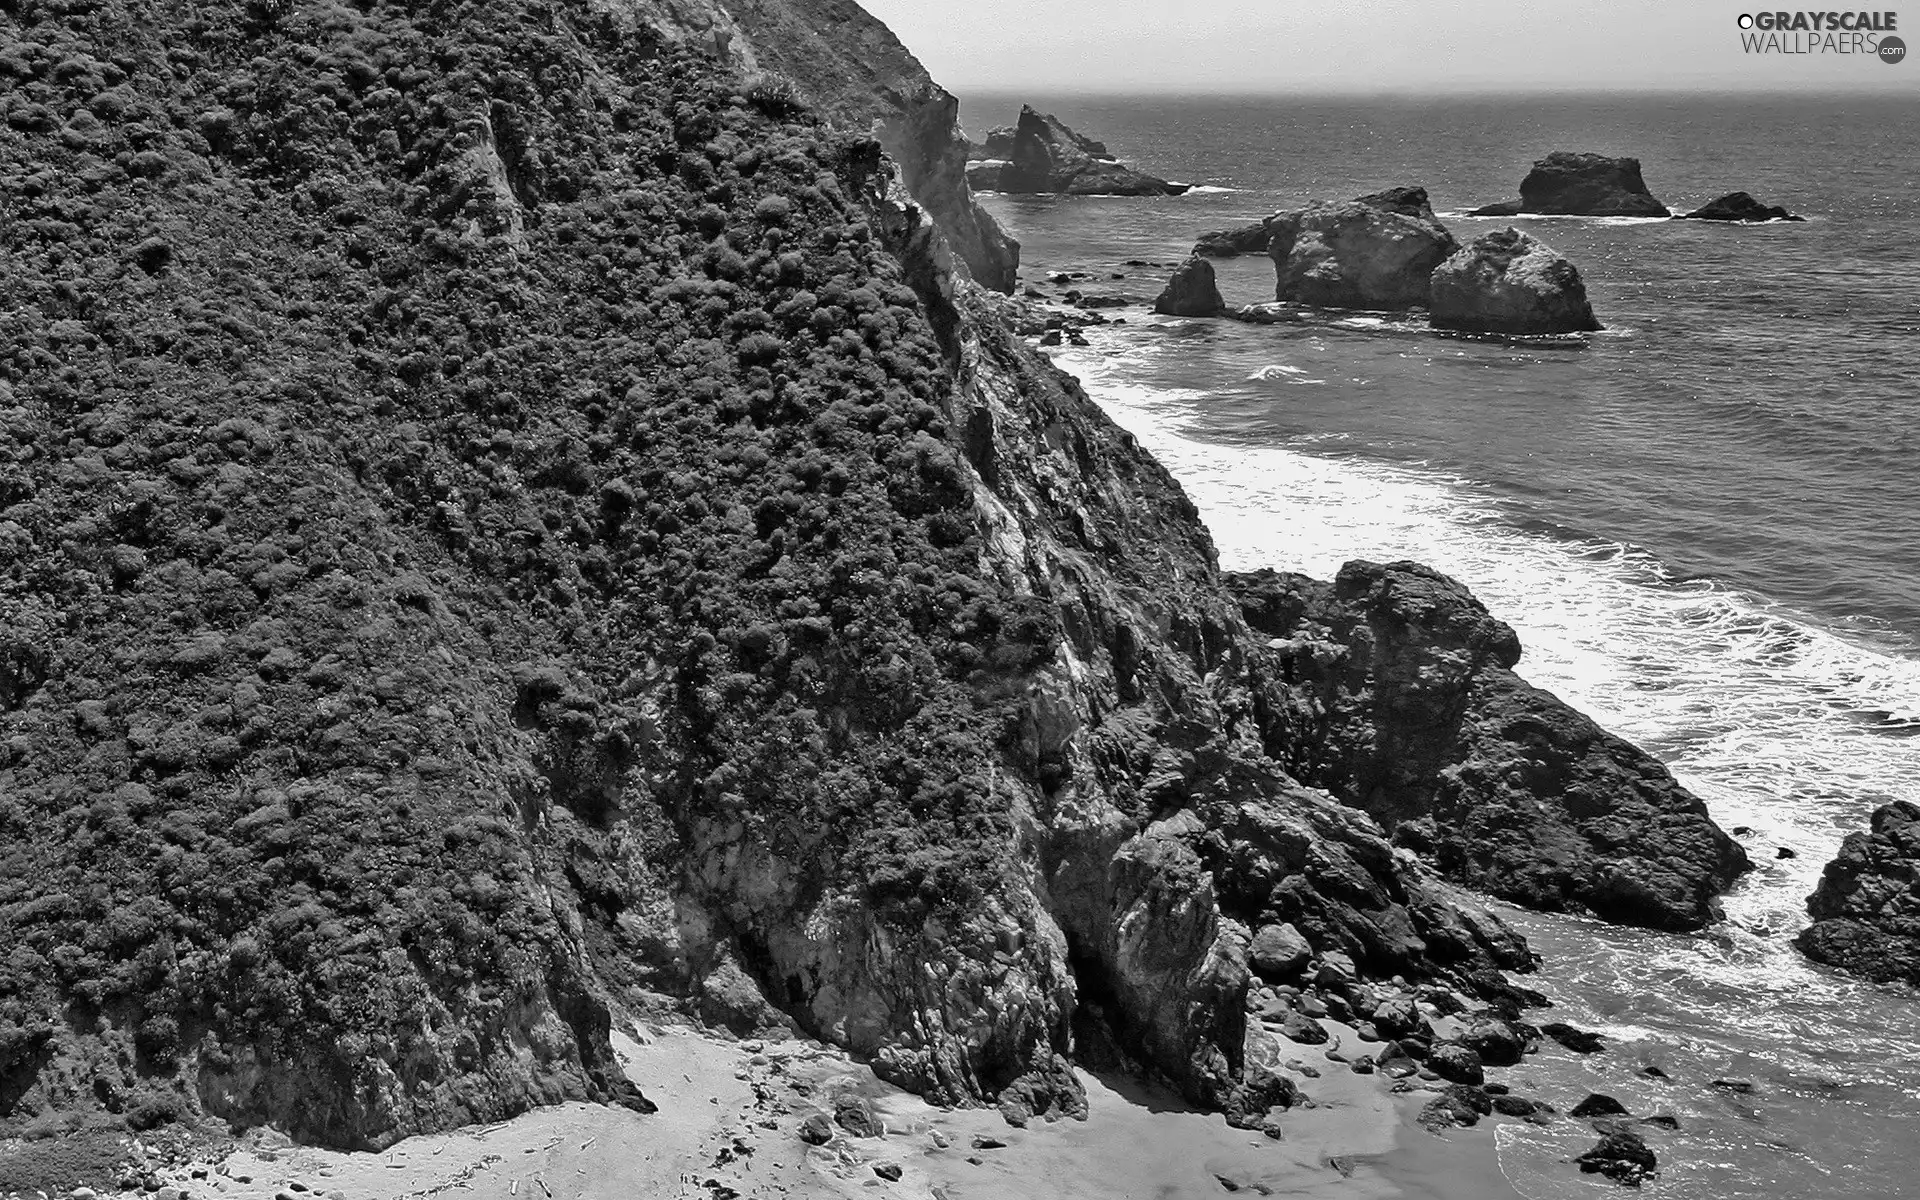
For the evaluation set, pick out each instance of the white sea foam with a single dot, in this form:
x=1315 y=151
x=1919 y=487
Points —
x=1208 y=189
x=1782 y=726
x=1285 y=373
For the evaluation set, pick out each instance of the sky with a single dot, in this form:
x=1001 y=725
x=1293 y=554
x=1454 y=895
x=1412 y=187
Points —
x=1366 y=46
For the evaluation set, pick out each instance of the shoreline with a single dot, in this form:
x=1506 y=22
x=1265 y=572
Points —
x=730 y=1114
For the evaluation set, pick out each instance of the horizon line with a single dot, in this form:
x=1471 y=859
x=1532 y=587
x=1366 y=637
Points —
x=1823 y=87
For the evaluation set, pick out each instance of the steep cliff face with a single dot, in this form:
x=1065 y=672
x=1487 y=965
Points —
x=851 y=68
x=495 y=523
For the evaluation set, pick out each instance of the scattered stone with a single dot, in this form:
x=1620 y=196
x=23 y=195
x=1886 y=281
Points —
x=1457 y=1063
x=890 y=1172
x=1303 y=1029
x=1786 y=852
x=1273 y=1130
x=1599 y=1104
x=1620 y=1156
x=1515 y=1106
x=1398 y=1017
x=1661 y=1120
x=1580 y=1041
x=816 y=1130
x=1739 y=1087
x=1652 y=1072
x=1277 y=951
x=1497 y=1043
x=983 y=1141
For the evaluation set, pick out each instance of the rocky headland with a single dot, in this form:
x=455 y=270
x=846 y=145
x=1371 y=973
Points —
x=1041 y=156
x=514 y=517
x=1566 y=183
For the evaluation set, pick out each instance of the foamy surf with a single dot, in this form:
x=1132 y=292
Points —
x=1784 y=728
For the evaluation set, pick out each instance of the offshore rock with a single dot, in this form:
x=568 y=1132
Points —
x=1230 y=243
x=1400 y=698
x=1191 y=292
x=1589 y=185
x=1739 y=206
x=1866 y=909
x=1507 y=282
x=1047 y=158
x=1373 y=252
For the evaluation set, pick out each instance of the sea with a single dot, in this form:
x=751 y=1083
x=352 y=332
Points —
x=1703 y=522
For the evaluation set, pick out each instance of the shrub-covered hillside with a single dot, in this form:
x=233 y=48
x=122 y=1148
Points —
x=439 y=441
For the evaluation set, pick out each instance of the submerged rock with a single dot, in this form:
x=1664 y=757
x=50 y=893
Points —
x=1866 y=909
x=1590 y=185
x=1507 y=282
x=1372 y=252
x=1230 y=243
x=1400 y=697
x=1739 y=206
x=1191 y=292
x=1621 y=1156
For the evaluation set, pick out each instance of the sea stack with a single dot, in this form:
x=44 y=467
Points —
x=1864 y=910
x=1045 y=157
x=1191 y=292
x=1565 y=183
x=1372 y=252
x=1739 y=207
x=1508 y=282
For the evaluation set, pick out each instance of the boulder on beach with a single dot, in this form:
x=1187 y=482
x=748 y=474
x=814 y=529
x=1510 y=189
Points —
x=1739 y=206
x=1508 y=282
x=1230 y=243
x=1866 y=909
x=1191 y=292
x=1588 y=185
x=1045 y=157
x=1372 y=252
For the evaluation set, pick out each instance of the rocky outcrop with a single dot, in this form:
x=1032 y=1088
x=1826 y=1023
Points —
x=1399 y=697
x=1191 y=292
x=849 y=67
x=1866 y=910
x=1507 y=282
x=1739 y=206
x=1373 y=252
x=1047 y=158
x=1588 y=185
x=1229 y=243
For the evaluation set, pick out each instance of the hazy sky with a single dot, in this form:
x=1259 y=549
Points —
x=1364 y=45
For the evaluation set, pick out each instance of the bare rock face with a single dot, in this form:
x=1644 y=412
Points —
x=1230 y=243
x=1373 y=252
x=1866 y=911
x=1400 y=698
x=1048 y=158
x=1739 y=207
x=1191 y=292
x=1589 y=185
x=1507 y=282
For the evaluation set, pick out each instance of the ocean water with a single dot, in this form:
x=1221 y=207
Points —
x=1704 y=523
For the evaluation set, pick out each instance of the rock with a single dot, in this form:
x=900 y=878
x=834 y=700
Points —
x=1446 y=1112
x=83 y=1193
x=1598 y=1104
x=1507 y=282
x=816 y=1130
x=1299 y=1027
x=1408 y=684
x=1786 y=852
x=1622 y=1157
x=1230 y=243
x=1398 y=1016
x=1269 y=314
x=1515 y=1106
x=1047 y=158
x=1496 y=1042
x=1372 y=252
x=1863 y=908
x=982 y=1141
x=1739 y=206
x=174 y=1193
x=1278 y=952
x=1456 y=1063
x=855 y=1115
x=1590 y=185
x=1191 y=292
x=1739 y=1087
x=890 y=1172
x=1504 y=208
x=1580 y=1041
x=1336 y=970
x=1661 y=1120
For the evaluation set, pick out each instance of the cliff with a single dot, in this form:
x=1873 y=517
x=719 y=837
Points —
x=851 y=69
x=500 y=523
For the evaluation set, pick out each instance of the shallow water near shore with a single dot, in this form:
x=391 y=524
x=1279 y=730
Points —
x=1702 y=523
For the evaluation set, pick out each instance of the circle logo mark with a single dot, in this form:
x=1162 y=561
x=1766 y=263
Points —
x=1746 y=20
x=1892 y=50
